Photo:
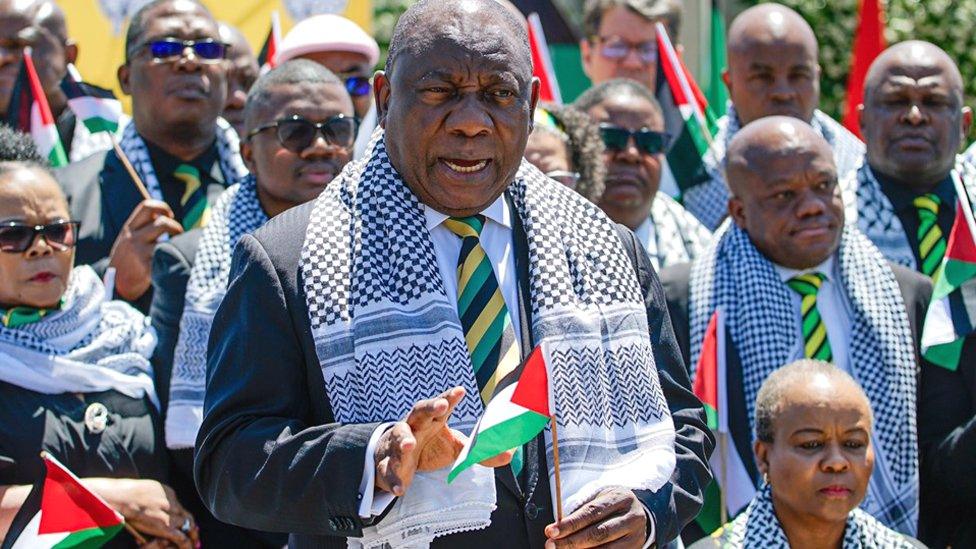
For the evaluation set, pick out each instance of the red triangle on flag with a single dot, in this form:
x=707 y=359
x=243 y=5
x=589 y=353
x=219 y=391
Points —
x=869 y=42
x=67 y=506
x=532 y=391
x=961 y=246
x=541 y=63
x=706 y=375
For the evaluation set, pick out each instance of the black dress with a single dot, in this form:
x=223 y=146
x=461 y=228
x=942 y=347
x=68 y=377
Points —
x=130 y=446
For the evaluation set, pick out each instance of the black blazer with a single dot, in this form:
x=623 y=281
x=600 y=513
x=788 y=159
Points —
x=270 y=455
x=916 y=290
x=102 y=196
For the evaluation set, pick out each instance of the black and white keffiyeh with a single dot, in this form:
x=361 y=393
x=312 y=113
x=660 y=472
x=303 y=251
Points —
x=866 y=206
x=90 y=345
x=387 y=335
x=679 y=237
x=228 y=152
x=709 y=200
x=758 y=526
x=236 y=213
x=762 y=318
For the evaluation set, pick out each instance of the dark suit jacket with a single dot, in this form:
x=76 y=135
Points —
x=101 y=195
x=172 y=263
x=916 y=290
x=270 y=455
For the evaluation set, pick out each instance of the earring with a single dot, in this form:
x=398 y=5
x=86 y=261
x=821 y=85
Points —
x=765 y=479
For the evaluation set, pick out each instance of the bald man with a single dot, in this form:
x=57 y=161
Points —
x=789 y=280
x=40 y=24
x=905 y=200
x=242 y=71
x=772 y=70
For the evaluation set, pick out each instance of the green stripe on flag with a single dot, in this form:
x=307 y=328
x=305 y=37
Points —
x=88 y=539
x=501 y=437
x=711 y=416
x=685 y=157
x=99 y=124
x=56 y=156
x=709 y=519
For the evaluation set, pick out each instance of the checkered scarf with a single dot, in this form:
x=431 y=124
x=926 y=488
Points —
x=228 y=151
x=765 y=327
x=89 y=345
x=387 y=335
x=678 y=236
x=758 y=526
x=709 y=200
x=866 y=205
x=235 y=214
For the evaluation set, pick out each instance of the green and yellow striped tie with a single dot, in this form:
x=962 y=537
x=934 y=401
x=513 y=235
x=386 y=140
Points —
x=931 y=241
x=816 y=345
x=488 y=330
x=196 y=210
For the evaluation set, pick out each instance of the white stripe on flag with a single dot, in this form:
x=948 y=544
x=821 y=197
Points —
x=45 y=137
x=938 y=328
x=93 y=107
x=30 y=538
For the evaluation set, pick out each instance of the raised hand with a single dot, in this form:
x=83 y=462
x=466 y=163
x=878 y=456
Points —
x=133 y=249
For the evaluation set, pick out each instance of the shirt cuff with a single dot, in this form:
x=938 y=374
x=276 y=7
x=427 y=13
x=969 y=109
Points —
x=651 y=531
x=372 y=504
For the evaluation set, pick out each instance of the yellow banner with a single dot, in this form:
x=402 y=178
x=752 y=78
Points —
x=100 y=44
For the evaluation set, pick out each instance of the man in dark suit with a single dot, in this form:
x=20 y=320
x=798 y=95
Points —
x=282 y=103
x=785 y=280
x=184 y=154
x=456 y=105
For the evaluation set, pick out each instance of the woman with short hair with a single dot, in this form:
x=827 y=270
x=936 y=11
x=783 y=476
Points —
x=565 y=145
x=813 y=448
x=75 y=377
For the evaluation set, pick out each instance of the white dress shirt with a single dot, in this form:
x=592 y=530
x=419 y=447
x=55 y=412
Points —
x=646 y=233
x=835 y=310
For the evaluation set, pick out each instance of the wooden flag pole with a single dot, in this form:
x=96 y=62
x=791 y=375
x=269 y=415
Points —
x=723 y=496
x=555 y=462
x=128 y=167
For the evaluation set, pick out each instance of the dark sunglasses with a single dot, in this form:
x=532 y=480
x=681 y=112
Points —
x=358 y=86
x=16 y=237
x=616 y=138
x=296 y=133
x=167 y=50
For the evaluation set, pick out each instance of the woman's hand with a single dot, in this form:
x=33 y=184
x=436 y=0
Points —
x=151 y=509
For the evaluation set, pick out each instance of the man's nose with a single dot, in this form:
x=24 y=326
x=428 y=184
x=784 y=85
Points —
x=782 y=90
x=811 y=204
x=188 y=60
x=469 y=118
x=915 y=116
x=629 y=153
x=632 y=60
x=319 y=148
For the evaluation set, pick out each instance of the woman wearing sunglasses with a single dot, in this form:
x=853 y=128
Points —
x=566 y=146
x=75 y=377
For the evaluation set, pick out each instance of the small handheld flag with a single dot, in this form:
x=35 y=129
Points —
x=542 y=67
x=61 y=513
x=95 y=107
x=269 y=50
x=951 y=317
x=30 y=112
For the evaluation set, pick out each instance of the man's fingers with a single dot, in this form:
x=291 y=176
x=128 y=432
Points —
x=150 y=232
x=500 y=460
x=427 y=413
x=146 y=211
x=596 y=510
x=613 y=529
x=393 y=459
x=158 y=530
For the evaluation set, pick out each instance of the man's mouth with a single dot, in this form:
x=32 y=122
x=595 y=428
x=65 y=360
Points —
x=465 y=166
x=318 y=175
x=813 y=231
x=43 y=277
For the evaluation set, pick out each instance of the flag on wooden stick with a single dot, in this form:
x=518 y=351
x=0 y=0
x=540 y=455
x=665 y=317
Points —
x=95 y=107
x=30 y=113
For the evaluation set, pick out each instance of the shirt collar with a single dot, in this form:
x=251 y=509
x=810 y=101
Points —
x=902 y=197
x=165 y=164
x=826 y=268
x=498 y=212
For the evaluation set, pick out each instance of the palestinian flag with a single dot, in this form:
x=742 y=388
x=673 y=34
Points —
x=695 y=135
x=952 y=313
x=706 y=385
x=61 y=513
x=542 y=62
x=96 y=108
x=717 y=93
x=30 y=113
x=269 y=50
x=519 y=410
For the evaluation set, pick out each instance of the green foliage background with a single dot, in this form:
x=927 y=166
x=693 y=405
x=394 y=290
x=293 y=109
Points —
x=951 y=24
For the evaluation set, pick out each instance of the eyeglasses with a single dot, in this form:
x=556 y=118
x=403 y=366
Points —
x=296 y=133
x=358 y=86
x=167 y=50
x=570 y=179
x=616 y=138
x=16 y=237
x=616 y=48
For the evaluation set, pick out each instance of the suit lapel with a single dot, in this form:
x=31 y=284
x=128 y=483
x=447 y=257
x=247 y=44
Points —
x=119 y=193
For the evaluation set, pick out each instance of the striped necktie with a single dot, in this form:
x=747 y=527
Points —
x=931 y=241
x=196 y=210
x=816 y=345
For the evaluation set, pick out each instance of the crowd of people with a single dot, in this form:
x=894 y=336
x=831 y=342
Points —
x=274 y=313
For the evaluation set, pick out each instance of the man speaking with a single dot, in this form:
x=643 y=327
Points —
x=362 y=333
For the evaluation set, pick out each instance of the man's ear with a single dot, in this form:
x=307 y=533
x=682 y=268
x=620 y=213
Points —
x=123 y=75
x=71 y=52
x=737 y=211
x=967 y=122
x=586 y=53
x=247 y=155
x=534 y=100
x=761 y=451
x=381 y=96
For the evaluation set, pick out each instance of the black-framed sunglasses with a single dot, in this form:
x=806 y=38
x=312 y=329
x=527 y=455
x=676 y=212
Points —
x=17 y=237
x=358 y=86
x=166 y=50
x=616 y=138
x=296 y=133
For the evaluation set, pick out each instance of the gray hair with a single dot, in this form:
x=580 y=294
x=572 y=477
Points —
x=666 y=11
x=770 y=398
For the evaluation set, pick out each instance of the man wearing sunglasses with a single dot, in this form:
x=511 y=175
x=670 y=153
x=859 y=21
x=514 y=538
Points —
x=772 y=70
x=299 y=129
x=184 y=153
x=632 y=128
x=40 y=25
